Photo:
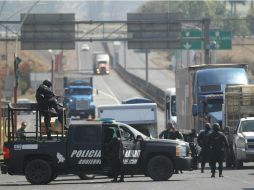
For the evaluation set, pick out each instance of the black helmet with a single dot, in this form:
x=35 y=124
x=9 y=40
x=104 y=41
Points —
x=216 y=127
x=47 y=83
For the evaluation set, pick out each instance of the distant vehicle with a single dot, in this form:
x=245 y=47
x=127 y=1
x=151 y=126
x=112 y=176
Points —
x=85 y=47
x=79 y=96
x=170 y=106
x=143 y=117
x=137 y=100
x=101 y=62
x=25 y=101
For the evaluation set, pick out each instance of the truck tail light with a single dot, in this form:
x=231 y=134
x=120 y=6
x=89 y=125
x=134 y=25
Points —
x=6 y=153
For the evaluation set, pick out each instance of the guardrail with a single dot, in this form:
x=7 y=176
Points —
x=149 y=90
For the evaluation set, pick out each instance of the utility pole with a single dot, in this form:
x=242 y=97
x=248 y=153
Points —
x=206 y=24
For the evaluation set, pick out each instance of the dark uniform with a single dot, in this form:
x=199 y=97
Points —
x=115 y=155
x=203 y=143
x=170 y=133
x=46 y=100
x=218 y=144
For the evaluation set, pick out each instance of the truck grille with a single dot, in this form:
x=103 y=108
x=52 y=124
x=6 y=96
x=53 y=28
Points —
x=250 y=145
x=250 y=140
x=209 y=88
x=82 y=105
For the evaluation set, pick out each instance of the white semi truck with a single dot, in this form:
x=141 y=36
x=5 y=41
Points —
x=142 y=117
x=101 y=63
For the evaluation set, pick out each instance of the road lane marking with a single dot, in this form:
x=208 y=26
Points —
x=111 y=92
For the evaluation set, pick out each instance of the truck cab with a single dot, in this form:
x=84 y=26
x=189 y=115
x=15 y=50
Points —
x=208 y=89
x=79 y=97
x=82 y=149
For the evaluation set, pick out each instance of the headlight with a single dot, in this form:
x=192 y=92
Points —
x=181 y=151
x=241 y=142
x=70 y=100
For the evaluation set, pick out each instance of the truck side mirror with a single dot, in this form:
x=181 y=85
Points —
x=194 y=110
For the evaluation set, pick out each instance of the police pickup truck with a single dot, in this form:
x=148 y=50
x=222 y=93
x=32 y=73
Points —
x=81 y=150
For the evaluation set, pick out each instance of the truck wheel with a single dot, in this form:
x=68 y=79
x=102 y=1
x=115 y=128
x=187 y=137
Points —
x=85 y=176
x=38 y=172
x=160 y=168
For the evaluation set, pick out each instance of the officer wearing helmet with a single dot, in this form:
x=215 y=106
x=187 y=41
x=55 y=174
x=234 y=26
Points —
x=203 y=143
x=218 y=144
x=47 y=100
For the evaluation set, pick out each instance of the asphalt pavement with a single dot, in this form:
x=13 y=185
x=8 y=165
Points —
x=189 y=180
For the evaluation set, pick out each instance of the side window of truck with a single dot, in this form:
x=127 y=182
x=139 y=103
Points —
x=87 y=134
x=126 y=134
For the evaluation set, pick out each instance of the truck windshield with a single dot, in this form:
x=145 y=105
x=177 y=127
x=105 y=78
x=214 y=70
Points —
x=173 y=105
x=102 y=62
x=214 y=105
x=80 y=91
x=222 y=76
x=247 y=126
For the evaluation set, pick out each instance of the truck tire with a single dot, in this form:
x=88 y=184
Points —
x=38 y=172
x=84 y=176
x=160 y=168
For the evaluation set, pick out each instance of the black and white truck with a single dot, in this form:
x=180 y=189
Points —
x=80 y=150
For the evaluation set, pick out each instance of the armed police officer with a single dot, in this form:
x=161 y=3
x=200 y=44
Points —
x=170 y=133
x=48 y=104
x=218 y=144
x=203 y=143
x=114 y=153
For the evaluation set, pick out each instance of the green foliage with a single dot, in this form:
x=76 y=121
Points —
x=196 y=9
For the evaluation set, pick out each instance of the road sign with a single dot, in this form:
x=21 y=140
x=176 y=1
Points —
x=153 y=31
x=192 y=39
x=189 y=41
x=48 y=31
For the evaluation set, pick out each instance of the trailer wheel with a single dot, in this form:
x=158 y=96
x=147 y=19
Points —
x=84 y=176
x=38 y=172
x=160 y=168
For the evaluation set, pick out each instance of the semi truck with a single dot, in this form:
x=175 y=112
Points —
x=238 y=123
x=142 y=117
x=101 y=63
x=199 y=92
x=78 y=97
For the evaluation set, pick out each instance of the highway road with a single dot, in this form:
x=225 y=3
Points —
x=189 y=180
x=158 y=75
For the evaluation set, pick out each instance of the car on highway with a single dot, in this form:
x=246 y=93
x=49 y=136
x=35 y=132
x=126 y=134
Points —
x=85 y=47
x=137 y=100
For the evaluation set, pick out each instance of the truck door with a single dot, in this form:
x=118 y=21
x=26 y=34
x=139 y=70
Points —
x=84 y=147
x=132 y=150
